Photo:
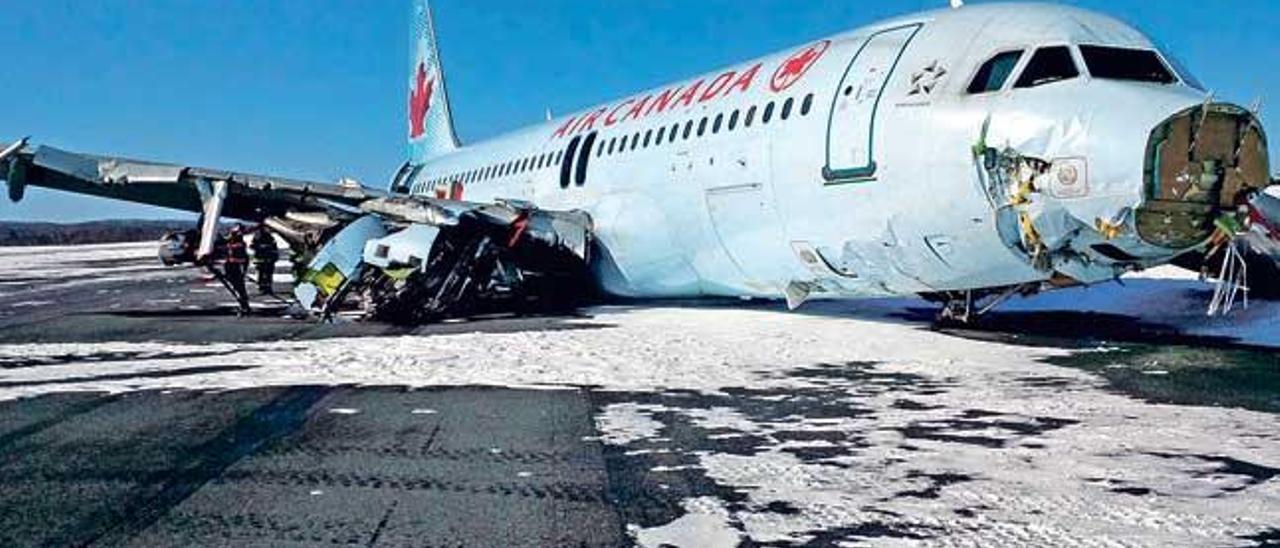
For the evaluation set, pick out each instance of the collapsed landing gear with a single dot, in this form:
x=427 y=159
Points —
x=447 y=286
x=966 y=307
x=471 y=274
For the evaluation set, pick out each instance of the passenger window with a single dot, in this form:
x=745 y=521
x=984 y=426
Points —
x=751 y=116
x=648 y=136
x=658 y=139
x=612 y=143
x=1048 y=65
x=733 y=120
x=807 y=105
x=768 y=113
x=702 y=126
x=786 y=108
x=688 y=129
x=995 y=72
x=635 y=140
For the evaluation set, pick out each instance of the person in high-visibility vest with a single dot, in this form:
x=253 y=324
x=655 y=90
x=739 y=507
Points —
x=235 y=266
x=265 y=255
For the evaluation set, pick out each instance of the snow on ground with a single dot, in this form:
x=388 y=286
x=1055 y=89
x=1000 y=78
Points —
x=33 y=270
x=821 y=420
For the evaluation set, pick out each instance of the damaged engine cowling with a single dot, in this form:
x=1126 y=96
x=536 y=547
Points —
x=437 y=260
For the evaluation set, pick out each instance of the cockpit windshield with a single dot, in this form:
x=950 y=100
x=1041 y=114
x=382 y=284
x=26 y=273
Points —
x=1048 y=65
x=1134 y=65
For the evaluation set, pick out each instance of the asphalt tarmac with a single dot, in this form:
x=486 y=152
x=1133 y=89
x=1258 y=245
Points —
x=475 y=466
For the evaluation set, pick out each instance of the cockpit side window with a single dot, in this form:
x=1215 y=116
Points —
x=1048 y=65
x=1134 y=65
x=995 y=72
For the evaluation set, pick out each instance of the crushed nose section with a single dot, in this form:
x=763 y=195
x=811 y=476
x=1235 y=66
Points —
x=1201 y=166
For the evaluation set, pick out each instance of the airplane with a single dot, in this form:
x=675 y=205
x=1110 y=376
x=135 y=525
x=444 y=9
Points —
x=966 y=154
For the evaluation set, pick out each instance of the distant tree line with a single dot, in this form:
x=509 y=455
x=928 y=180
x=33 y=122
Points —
x=14 y=233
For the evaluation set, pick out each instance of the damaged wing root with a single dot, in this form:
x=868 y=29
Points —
x=449 y=259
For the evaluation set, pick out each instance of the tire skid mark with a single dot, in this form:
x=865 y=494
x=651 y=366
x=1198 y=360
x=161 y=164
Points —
x=561 y=491
x=9 y=439
x=164 y=490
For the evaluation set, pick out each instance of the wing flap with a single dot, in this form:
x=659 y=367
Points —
x=249 y=196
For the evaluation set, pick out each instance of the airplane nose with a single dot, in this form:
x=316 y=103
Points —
x=1202 y=164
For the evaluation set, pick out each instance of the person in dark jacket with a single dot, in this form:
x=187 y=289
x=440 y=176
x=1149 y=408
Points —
x=265 y=255
x=236 y=265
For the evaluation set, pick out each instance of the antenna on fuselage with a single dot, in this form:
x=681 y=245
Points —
x=1256 y=109
x=957 y=4
x=549 y=116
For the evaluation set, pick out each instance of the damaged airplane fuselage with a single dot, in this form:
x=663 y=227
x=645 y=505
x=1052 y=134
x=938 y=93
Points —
x=990 y=148
x=983 y=147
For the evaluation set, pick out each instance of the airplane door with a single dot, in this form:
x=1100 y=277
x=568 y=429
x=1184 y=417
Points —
x=851 y=130
x=741 y=206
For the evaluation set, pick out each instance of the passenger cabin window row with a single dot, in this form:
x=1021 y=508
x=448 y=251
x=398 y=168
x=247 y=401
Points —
x=591 y=144
x=1052 y=64
x=537 y=162
x=680 y=131
x=723 y=122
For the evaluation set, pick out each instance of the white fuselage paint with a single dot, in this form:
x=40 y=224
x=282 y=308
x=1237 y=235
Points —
x=749 y=211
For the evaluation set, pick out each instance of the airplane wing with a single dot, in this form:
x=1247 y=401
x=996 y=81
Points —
x=346 y=232
x=248 y=196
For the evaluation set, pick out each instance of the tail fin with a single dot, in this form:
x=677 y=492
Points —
x=430 y=121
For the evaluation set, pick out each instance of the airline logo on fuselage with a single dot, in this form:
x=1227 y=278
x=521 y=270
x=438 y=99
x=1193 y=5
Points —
x=794 y=68
x=420 y=101
x=700 y=91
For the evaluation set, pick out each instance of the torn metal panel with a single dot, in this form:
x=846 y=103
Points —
x=416 y=210
x=1200 y=164
x=338 y=262
x=407 y=249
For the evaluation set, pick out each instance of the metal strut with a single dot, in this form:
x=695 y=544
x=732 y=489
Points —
x=963 y=308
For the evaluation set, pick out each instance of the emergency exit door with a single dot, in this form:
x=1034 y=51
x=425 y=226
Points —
x=852 y=129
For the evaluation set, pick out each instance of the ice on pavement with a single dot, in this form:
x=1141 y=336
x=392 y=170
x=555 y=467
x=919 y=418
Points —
x=837 y=418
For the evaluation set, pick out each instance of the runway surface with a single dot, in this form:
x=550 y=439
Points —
x=135 y=409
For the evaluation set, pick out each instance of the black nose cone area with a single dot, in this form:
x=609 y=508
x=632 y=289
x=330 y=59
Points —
x=1201 y=163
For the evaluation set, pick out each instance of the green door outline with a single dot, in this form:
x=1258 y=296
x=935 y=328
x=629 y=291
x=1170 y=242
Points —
x=865 y=173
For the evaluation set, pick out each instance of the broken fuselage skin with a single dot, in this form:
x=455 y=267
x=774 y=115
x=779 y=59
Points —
x=898 y=180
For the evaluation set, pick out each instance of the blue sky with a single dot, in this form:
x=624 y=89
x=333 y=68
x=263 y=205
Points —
x=316 y=89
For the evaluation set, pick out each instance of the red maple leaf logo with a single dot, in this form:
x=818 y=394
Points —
x=794 y=68
x=420 y=102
